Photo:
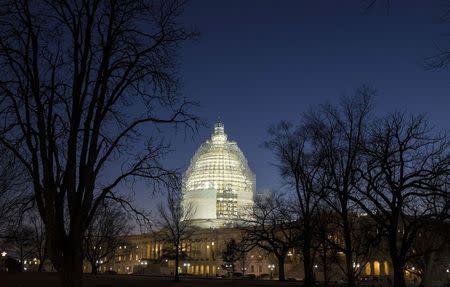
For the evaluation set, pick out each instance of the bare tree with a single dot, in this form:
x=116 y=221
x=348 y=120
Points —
x=407 y=166
x=236 y=251
x=230 y=255
x=79 y=79
x=105 y=234
x=14 y=195
x=19 y=241
x=175 y=224
x=25 y=237
x=432 y=238
x=367 y=242
x=329 y=242
x=339 y=132
x=325 y=245
x=301 y=170
x=38 y=237
x=273 y=227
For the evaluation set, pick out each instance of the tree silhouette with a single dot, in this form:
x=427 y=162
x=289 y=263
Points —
x=79 y=80
x=105 y=234
x=175 y=225
x=406 y=171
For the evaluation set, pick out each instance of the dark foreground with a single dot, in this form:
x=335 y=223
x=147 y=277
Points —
x=52 y=280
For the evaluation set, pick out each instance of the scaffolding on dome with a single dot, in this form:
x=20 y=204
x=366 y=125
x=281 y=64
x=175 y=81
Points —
x=218 y=184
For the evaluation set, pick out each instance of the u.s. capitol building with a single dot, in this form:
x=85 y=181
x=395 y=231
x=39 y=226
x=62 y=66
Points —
x=218 y=186
x=219 y=189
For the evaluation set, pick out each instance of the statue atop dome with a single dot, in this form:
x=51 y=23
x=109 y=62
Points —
x=219 y=135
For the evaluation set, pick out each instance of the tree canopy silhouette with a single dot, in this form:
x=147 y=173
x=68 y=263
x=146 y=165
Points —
x=79 y=80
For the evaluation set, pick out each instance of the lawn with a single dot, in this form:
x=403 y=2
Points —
x=52 y=280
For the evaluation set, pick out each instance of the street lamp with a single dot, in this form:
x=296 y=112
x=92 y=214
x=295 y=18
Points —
x=212 y=251
x=271 y=267
x=315 y=269
x=187 y=265
x=4 y=260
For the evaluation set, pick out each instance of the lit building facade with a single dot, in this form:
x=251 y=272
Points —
x=145 y=254
x=218 y=186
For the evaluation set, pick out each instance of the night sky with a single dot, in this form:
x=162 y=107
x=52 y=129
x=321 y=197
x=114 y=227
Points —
x=259 y=62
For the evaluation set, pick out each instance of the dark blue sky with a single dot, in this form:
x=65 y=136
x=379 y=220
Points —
x=259 y=62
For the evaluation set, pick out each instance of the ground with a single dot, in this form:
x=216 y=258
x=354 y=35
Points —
x=52 y=280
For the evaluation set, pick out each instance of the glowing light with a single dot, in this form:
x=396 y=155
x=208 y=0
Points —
x=4 y=253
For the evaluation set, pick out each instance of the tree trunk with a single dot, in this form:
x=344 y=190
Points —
x=348 y=252
x=308 y=263
x=41 y=265
x=94 y=269
x=399 y=275
x=177 y=260
x=54 y=243
x=398 y=264
x=427 y=276
x=281 y=276
x=21 y=258
x=72 y=272
x=325 y=267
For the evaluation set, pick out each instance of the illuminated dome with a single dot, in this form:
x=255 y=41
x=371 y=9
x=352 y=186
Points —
x=218 y=185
